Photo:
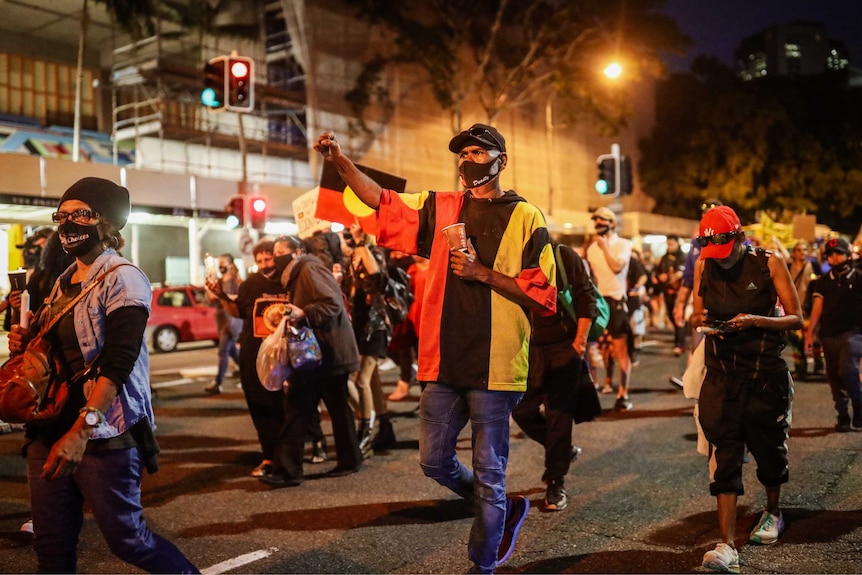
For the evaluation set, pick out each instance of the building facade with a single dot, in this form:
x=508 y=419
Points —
x=795 y=49
x=141 y=123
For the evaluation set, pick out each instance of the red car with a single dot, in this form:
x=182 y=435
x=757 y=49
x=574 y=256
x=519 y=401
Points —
x=180 y=314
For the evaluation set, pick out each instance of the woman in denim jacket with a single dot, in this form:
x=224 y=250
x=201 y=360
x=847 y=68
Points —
x=95 y=451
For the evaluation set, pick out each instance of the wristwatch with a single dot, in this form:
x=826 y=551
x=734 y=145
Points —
x=92 y=416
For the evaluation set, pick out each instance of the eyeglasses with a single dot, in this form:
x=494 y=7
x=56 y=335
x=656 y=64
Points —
x=482 y=133
x=78 y=216
x=717 y=239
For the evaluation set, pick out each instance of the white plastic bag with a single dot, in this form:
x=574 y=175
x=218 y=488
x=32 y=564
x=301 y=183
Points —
x=273 y=365
x=692 y=379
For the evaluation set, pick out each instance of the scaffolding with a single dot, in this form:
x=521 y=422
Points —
x=156 y=84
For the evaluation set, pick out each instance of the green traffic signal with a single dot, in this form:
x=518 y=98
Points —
x=213 y=93
x=208 y=98
x=607 y=178
x=602 y=186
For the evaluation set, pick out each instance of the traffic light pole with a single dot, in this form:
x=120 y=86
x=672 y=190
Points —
x=617 y=206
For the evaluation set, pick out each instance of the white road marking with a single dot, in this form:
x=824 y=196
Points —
x=172 y=383
x=236 y=562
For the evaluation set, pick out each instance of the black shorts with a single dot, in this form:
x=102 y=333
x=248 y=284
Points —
x=618 y=325
x=736 y=413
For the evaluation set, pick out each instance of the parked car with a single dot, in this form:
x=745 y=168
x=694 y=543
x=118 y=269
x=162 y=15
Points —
x=180 y=314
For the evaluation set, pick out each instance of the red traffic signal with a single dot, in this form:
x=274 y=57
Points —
x=240 y=84
x=235 y=209
x=259 y=212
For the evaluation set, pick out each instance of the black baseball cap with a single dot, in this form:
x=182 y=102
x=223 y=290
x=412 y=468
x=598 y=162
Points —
x=839 y=245
x=481 y=135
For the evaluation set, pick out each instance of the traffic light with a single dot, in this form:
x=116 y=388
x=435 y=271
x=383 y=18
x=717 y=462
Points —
x=259 y=211
x=235 y=209
x=625 y=176
x=606 y=184
x=215 y=84
x=240 y=84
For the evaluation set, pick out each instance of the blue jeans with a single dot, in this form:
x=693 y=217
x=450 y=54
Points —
x=110 y=483
x=444 y=411
x=227 y=349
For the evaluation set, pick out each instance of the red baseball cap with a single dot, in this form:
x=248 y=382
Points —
x=718 y=220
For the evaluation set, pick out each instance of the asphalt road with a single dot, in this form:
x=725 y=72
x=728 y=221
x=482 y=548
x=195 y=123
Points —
x=639 y=500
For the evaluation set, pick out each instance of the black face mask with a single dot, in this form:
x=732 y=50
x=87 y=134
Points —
x=840 y=268
x=282 y=261
x=78 y=240
x=602 y=230
x=474 y=175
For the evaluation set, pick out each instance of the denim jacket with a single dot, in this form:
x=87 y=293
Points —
x=125 y=286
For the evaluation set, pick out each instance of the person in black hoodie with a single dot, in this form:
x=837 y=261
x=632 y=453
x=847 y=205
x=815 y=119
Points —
x=315 y=299
x=557 y=348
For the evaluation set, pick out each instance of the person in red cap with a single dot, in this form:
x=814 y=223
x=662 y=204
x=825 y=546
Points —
x=746 y=395
x=836 y=306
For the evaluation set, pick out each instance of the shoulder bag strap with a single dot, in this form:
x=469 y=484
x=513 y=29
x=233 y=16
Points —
x=54 y=319
x=563 y=273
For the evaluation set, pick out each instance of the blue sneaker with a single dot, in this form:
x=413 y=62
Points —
x=516 y=511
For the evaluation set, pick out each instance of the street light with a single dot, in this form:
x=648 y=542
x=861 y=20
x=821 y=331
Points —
x=613 y=70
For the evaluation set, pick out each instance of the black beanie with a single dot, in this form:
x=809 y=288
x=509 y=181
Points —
x=103 y=196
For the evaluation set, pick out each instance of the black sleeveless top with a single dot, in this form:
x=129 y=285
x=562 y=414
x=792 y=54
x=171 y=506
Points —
x=745 y=288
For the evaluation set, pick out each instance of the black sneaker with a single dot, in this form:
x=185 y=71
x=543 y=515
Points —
x=843 y=425
x=385 y=438
x=214 y=388
x=856 y=424
x=277 y=479
x=623 y=404
x=556 y=498
x=339 y=471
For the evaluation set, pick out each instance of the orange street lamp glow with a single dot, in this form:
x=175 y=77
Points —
x=613 y=70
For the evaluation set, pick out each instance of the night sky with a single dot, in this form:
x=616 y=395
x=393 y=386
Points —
x=718 y=26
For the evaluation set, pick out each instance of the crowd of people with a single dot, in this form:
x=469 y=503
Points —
x=364 y=297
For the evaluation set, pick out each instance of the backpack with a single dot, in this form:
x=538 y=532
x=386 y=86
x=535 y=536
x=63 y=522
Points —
x=397 y=295
x=564 y=298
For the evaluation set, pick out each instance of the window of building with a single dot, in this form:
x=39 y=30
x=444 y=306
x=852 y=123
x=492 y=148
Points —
x=792 y=50
x=42 y=90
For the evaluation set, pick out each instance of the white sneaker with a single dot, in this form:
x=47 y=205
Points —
x=722 y=559
x=768 y=529
x=27 y=527
x=386 y=364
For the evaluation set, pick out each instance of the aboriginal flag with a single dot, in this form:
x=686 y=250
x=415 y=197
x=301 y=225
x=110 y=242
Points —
x=336 y=202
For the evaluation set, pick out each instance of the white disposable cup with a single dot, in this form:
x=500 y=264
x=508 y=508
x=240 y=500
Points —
x=456 y=237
